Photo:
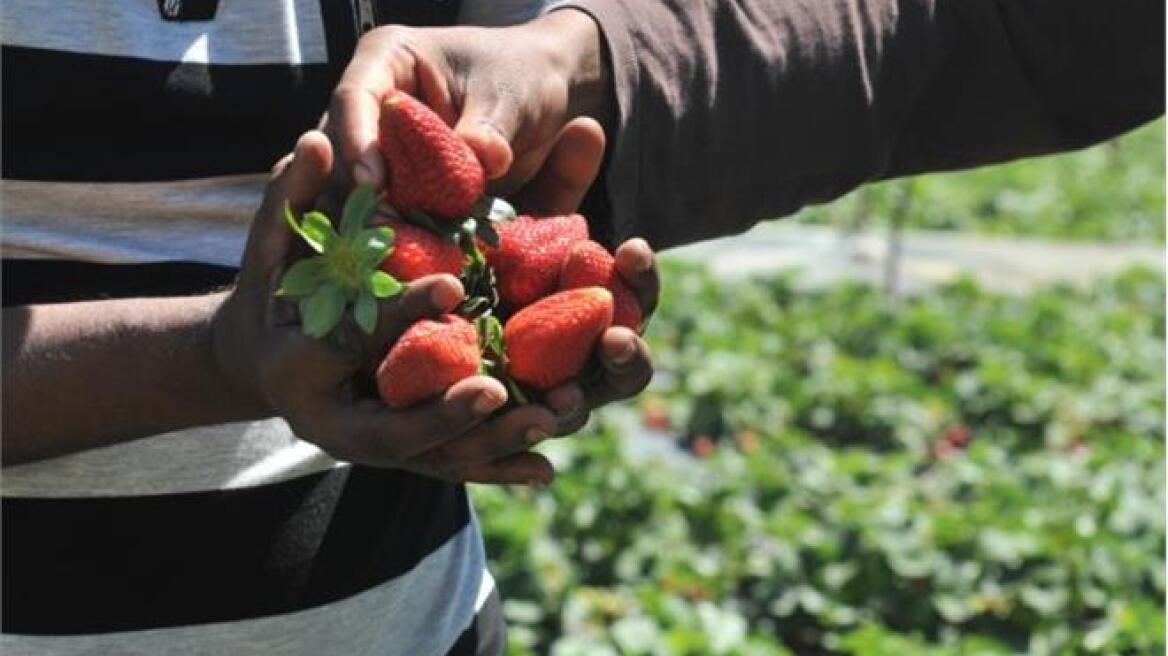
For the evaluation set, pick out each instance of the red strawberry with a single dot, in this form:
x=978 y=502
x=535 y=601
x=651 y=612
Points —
x=531 y=253
x=589 y=265
x=431 y=170
x=549 y=341
x=418 y=252
x=430 y=356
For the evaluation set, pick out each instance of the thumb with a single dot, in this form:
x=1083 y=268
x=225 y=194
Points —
x=297 y=180
x=488 y=125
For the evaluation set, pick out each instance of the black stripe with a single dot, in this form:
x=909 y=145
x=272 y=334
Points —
x=25 y=282
x=487 y=633
x=340 y=32
x=94 y=565
x=85 y=117
x=74 y=117
x=421 y=13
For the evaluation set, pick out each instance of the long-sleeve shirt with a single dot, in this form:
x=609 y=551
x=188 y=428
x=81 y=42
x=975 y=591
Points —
x=731 y=112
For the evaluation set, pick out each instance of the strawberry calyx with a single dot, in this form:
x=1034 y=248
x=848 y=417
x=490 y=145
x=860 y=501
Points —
x=494 y=357
x=344 y=271
x=478 y=226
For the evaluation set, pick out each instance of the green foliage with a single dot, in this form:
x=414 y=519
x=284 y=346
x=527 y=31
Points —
x=1113 y=191
x=959 y=473
x=343 y=271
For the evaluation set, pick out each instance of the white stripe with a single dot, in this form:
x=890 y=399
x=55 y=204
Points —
x=242 y=32
x=420 y=613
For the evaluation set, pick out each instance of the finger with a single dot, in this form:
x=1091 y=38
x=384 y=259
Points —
x=568 y=403
x=354 y=111
x=386 y=59
x=488 y=124
x=569 y=170
x=627 y=366
x=637 y=265
x=381 y=436
x=515 y=431
x=297 y=179
x=527 y=468
x=423 y=298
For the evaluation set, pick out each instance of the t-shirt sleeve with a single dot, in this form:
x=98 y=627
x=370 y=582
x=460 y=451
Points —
x=731 y=112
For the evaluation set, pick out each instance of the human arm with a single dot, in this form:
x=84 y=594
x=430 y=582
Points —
x=83 y=375
x=88 y=374
x=733 y=112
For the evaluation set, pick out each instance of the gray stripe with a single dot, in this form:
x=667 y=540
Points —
x=204 y=220
x=208 y=458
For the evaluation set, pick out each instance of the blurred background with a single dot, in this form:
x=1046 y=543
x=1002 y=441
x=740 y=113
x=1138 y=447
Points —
x=925 y=419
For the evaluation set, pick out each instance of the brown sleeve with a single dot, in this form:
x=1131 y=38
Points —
x=733 y=112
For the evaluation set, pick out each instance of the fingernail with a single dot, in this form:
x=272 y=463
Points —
x=535 y=435
x=486 y=403
x=626 y=353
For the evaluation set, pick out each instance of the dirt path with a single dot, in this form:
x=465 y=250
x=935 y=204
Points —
x=825 y=255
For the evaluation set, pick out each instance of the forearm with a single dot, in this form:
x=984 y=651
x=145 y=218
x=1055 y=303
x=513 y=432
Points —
x=732 y=112
x=82 y=375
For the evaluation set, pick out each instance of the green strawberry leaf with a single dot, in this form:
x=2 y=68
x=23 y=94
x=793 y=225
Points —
x=384 y=285
x=302 y=278
x=290 y=219
x=317 y=229
x=359 y=208
x=490 y=335
x=365 y=311
x=322 y=311
x=375 y=244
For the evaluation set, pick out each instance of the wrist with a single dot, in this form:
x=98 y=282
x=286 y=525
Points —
x=577 y=49
x=226 y=360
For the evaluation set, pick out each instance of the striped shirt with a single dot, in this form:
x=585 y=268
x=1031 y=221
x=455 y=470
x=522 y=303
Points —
x=136 y=138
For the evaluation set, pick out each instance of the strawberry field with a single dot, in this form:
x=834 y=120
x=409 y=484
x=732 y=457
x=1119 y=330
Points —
x=836 y=471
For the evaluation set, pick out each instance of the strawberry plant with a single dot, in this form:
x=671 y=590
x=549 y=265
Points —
x=958 y=473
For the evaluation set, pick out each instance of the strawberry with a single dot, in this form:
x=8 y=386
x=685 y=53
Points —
x=428 y=358
x=431 y=169
x=549 y=341
x=531 y=253
x=418 y=252
x=589 y=265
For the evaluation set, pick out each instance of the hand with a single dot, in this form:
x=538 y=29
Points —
x=508 y=91
x=260 y=349
x=626 y=362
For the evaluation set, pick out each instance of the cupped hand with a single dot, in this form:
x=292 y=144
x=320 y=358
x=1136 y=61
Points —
x=260 y=348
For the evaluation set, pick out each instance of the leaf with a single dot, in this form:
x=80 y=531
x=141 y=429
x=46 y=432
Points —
x=365 y=311
x=359 y=208
x=302 y=278
x=384 y=285
x=490 y=334
x=290 y=219
x=317 y=229
x=322 y=311
x=375 y=244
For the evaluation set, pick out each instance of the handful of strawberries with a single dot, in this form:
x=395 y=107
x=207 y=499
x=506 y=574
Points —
x=539 y=293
